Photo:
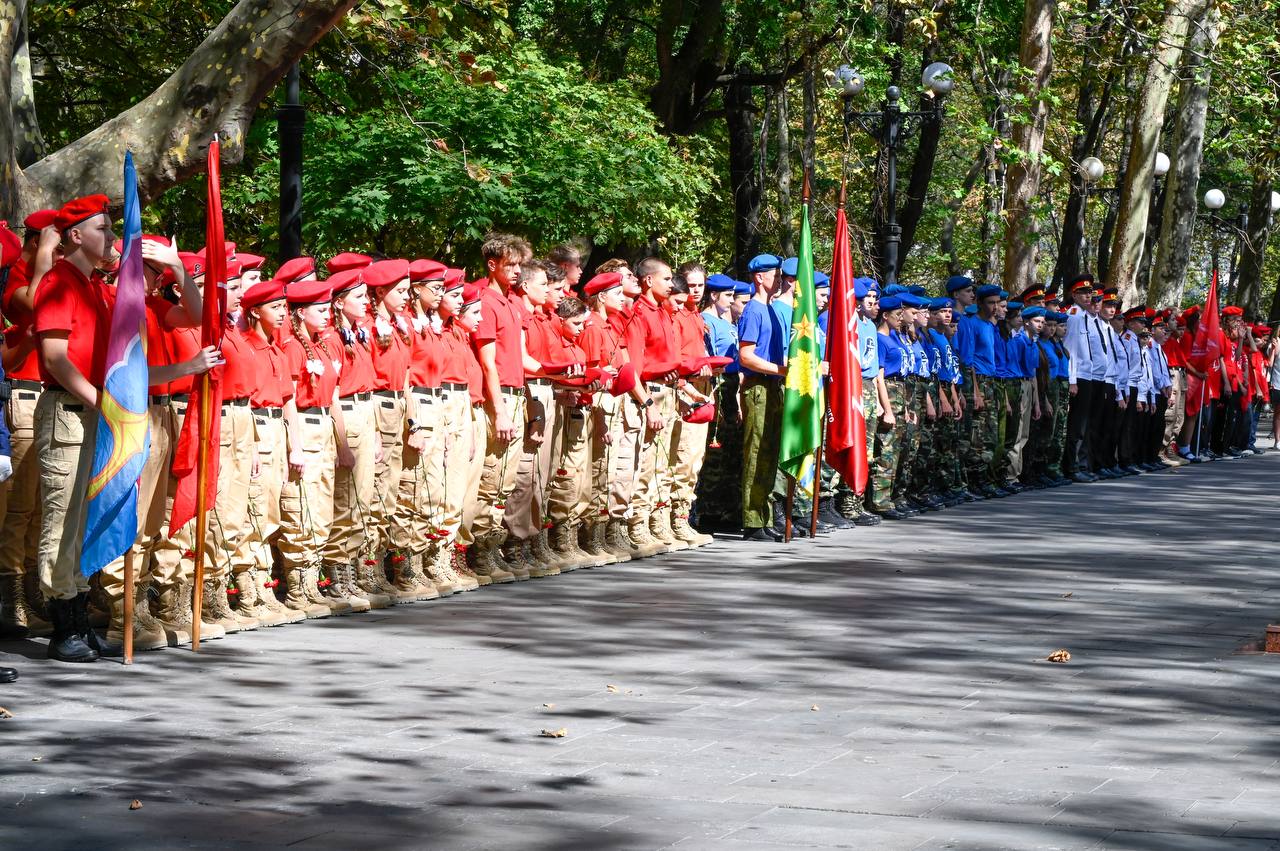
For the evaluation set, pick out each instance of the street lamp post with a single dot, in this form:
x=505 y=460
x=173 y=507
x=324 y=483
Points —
x=291 y=119
x=890 y=126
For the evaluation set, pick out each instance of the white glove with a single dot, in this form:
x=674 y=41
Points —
x=6 y=468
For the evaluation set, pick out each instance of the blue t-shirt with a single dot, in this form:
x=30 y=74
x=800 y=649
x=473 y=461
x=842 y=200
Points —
x=868 y=348
x=948 y=367
x=923 y=367
x=1028 y=355
x=892 y=354
x=977 y=349
x=785 y=313
x=1057 y=358
x=761 y=326
x=722 y=338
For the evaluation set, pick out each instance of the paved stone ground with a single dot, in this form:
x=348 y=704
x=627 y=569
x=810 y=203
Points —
x=879 y=689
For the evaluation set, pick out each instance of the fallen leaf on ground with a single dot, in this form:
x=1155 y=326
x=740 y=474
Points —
x=1059 y=656
x=611 y=689
x=1068 y=594
x=135 y=804
x=36 y=758
x=4 y=713
x=549 y=705
x=555 y=734
x=813 y=708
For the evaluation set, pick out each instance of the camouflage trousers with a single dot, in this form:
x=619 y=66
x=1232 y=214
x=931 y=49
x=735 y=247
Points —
x=924 y=469
x=1060 y=397
x=909 y=440
x=949 y=471
x=887 y=438
x=1036 y=455
x=981 y=435
x=847 y=500
x=1008 y=400
x=719 y=490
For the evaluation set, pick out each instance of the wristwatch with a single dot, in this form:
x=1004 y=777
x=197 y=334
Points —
x=647 y=402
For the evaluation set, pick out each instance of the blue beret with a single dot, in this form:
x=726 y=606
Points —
x=790 y=266
x=988 y=290
x=1033 y=312
x=1056 y=317
x=864 y=286
x=894 y=289
x=971 y=310
x=1015 y=306
x=820 y=280
x=941 y=303
x=890 y=302
x=1004 y=294
x=958 y=282
x=916 y=289
x=743 y=288
x=909 y=299
x=718 y=283
x=763 y=263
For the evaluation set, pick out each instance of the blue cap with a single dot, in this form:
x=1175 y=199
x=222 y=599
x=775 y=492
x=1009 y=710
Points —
x=971 y=310
x=894 y=289
x=718 y=283
x=890 y=302
x=863 y=286
x=909 y=299
x=1053 y=316
x=941 y=303
x=743 y=288
x=791 y=266
x=1033 y=312
x=1015 y=306
x=1004 y=294
x=763 y=263
x=988 y=290
x=820 y=280
x=916 y=289
x=958 y=282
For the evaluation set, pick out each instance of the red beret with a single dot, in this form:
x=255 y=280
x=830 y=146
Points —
x=249 y=262
x=74 y=212
x=347 y=279
x=624 y=380
x=658 y=370
x=347 y=260
x=262 y=292
x=10 y=246
x=386 y=273
x=234 y=269
x=602 y=282
x=427 y=270
x=228 y=248
x=193 y=263
x=454 y=278
x=471 y=292
x=1232 y=310
x=702 y=414
x=302 y=293
x=296 y=269
x=40 y=219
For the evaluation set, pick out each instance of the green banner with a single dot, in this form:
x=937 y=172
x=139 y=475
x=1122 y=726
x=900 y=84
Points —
x=802 y=404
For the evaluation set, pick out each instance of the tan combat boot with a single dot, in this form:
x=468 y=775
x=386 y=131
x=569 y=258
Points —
x=218 y=610
x=580 y=536
x=444 y=567
x=643 y=543
x=432 y=573
x=592 y=540
x=463 y=568
x=368 y=572
x=311 y=578
x=351 y=576
x=336 y=590
x=405 y=591
x=660 y=526
x=511 y=563
x=564 y=553
x=249 y=603
x=297 y=597
x=540 y=546
x=147 y=633
x=267 y=600
x=175 y=616
x=485 y=564
x=616 y=539
x=682 y=530
x=412 y=572
x=18 y=617
x=537 y=568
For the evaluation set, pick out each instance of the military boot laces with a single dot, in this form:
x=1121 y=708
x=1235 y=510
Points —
x=267 y=600
x=615 y=538
x=463 y=568
x=540 y=549
x=296 y=596
x=249 y=602
x=434 y=575
x=445 y=566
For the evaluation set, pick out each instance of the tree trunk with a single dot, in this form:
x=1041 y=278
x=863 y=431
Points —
x=1022 y=226
x=1253 y=247
x=1148 y=119
x=687 y=75
x=743 y=174
x=27 y=136
x=1178 y=221
x=786 y=231
x=11 y=185
x=217 y=90
x=921 y=168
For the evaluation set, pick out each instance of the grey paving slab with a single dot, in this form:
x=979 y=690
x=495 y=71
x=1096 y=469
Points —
x=880 y=688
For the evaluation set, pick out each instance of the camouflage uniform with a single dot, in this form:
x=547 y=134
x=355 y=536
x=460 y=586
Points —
x=1006 y=401
x=924 y=478
x=1060 y=396
x=909 y=440
x=982 y=435
x=847 y=500
x=886 y=444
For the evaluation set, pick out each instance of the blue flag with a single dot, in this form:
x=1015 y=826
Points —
x=124 y=439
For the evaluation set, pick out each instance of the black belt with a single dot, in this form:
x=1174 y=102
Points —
x=57 y=388
x=389 y=394
x=513 y=391
x=241 y=402
x=270 y=413
x=358 y=397
x=425 y=391
x=318 y=409
x=160 y=399
x=538 y=382
x=179 y=397
x=25 y=384
x=453 y=386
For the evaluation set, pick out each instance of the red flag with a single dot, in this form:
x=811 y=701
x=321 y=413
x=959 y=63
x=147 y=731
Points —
x=197 y=430
x=847 y=431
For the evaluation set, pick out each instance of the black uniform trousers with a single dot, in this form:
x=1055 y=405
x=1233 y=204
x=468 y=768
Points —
x=1077 y=458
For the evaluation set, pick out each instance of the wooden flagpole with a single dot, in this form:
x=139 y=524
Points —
x=128 y=606
x=817 y=471
x=791 y=498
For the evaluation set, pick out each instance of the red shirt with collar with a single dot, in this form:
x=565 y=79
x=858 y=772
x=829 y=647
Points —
x=159 y=350
x=457 y=351
x=183 y=344
x=540 y=339
x=501 y=323
x=651 y=336
x=691 y=329
x=390 y=357
x=601 y=343
x=69 y=302
x=1175 y=354
x=357 y=374
x=311 y=389
x=239 y=375
x=426 y=358
x=273 y=384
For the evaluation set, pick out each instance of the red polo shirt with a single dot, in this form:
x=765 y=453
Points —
x=311 y=389
x=651 y=336
x=601 y=343
x=691 y=330
x=357 y=374
x=67 y=301
x=457 y=351
x=239 y=375
x=426 y=358
x=183 y=344
x=541 y=339
x=390 y=359
x=159 y=351
x=273 y=385
x=1173 y=351
x=501 y=323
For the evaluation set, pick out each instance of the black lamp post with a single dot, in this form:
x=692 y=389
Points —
x=291 y=118
x=890 y=126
